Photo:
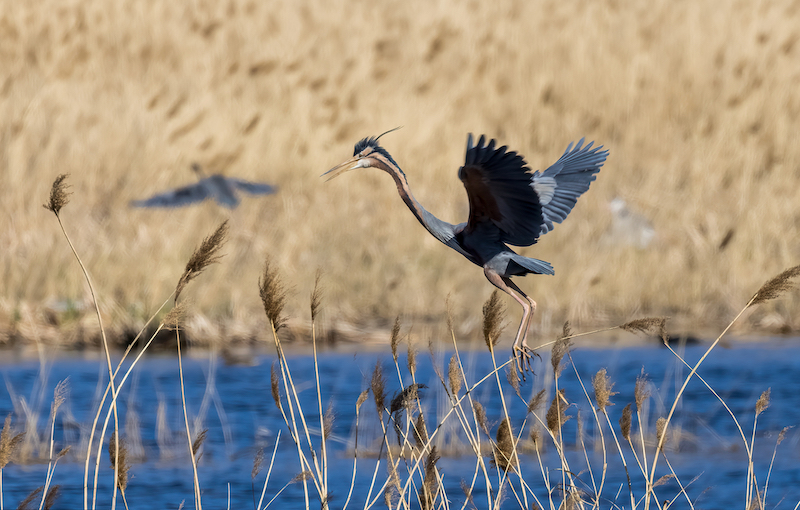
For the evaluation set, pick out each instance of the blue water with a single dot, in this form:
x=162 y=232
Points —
x=241 y=417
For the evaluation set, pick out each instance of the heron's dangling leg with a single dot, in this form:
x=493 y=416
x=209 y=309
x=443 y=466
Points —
x=520 y=350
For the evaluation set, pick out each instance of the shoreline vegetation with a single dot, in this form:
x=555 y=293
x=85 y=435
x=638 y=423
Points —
x=411 y=473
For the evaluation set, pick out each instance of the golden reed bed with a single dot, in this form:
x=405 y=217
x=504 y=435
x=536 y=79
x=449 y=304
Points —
x=697 y=102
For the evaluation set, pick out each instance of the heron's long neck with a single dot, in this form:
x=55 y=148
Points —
x=438 y=228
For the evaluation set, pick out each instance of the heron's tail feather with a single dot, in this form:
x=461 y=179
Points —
x=520 y=266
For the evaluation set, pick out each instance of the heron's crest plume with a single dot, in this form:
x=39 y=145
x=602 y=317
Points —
x=372 y=142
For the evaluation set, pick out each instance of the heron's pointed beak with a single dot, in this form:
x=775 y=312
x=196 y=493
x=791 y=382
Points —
x=350 y=164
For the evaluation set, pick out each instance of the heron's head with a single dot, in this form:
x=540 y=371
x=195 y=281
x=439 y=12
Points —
x=366 y=154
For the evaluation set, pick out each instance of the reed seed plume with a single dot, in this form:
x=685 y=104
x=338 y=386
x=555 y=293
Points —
x=327 y=421
x=641 y=391
x=782 y=434
x=174 y=319
x=198 y=442
x=537 y=401
x=555 y=417
x=560 y=348
x=493 y=320
x=467 y=490
x=316 y=296
x=258 y=461
x=480 y=416
x=378 y=386
x=205 y=255
x=763 y=402
x=8 y=442
x=302 y=477
x=395 y=339
x=776 y=286
x=52 y=496
x=420 y=432
x=274 y=385
x=448 y=310
x=406 y=398
x=663 y=480
x=23 y=505
x=504 y=446
x=454 y=376
x=361 y=399
x=58 y=195
x=625 y=422
x=566 y=330
x=536 y=436
x=512 y=375
x=63 y=452
x=602 y=390
x=124 y=466
x=430 y=481
x=411 y=360
x=661 y=428
x=273 y=294
x=656 y=326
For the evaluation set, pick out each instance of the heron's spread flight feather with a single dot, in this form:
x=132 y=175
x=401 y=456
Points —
x=498 y=188
x=565 y=180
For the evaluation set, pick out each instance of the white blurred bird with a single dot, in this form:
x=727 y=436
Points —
x=627 y=227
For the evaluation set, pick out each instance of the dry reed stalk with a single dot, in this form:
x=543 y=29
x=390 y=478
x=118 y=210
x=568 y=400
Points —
x=656 y=326
x=191 y=444
x=326 y=418
x=58 y=199
x=269 y=471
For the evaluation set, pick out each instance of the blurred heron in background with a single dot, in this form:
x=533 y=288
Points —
x=507 y=205
x=220 y=188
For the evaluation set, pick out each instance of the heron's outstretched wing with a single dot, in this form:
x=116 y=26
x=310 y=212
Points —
x=175 y=198
x=500 y=193
x=255 y=188
x=562 y=183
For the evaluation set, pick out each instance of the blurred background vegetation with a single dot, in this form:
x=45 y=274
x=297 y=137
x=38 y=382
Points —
x=696 y=100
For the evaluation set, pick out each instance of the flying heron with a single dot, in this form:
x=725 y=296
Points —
x=220 y=188
x=507 y=205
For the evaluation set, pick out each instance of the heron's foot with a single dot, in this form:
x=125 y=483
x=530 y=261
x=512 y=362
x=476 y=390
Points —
x=522 y=355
